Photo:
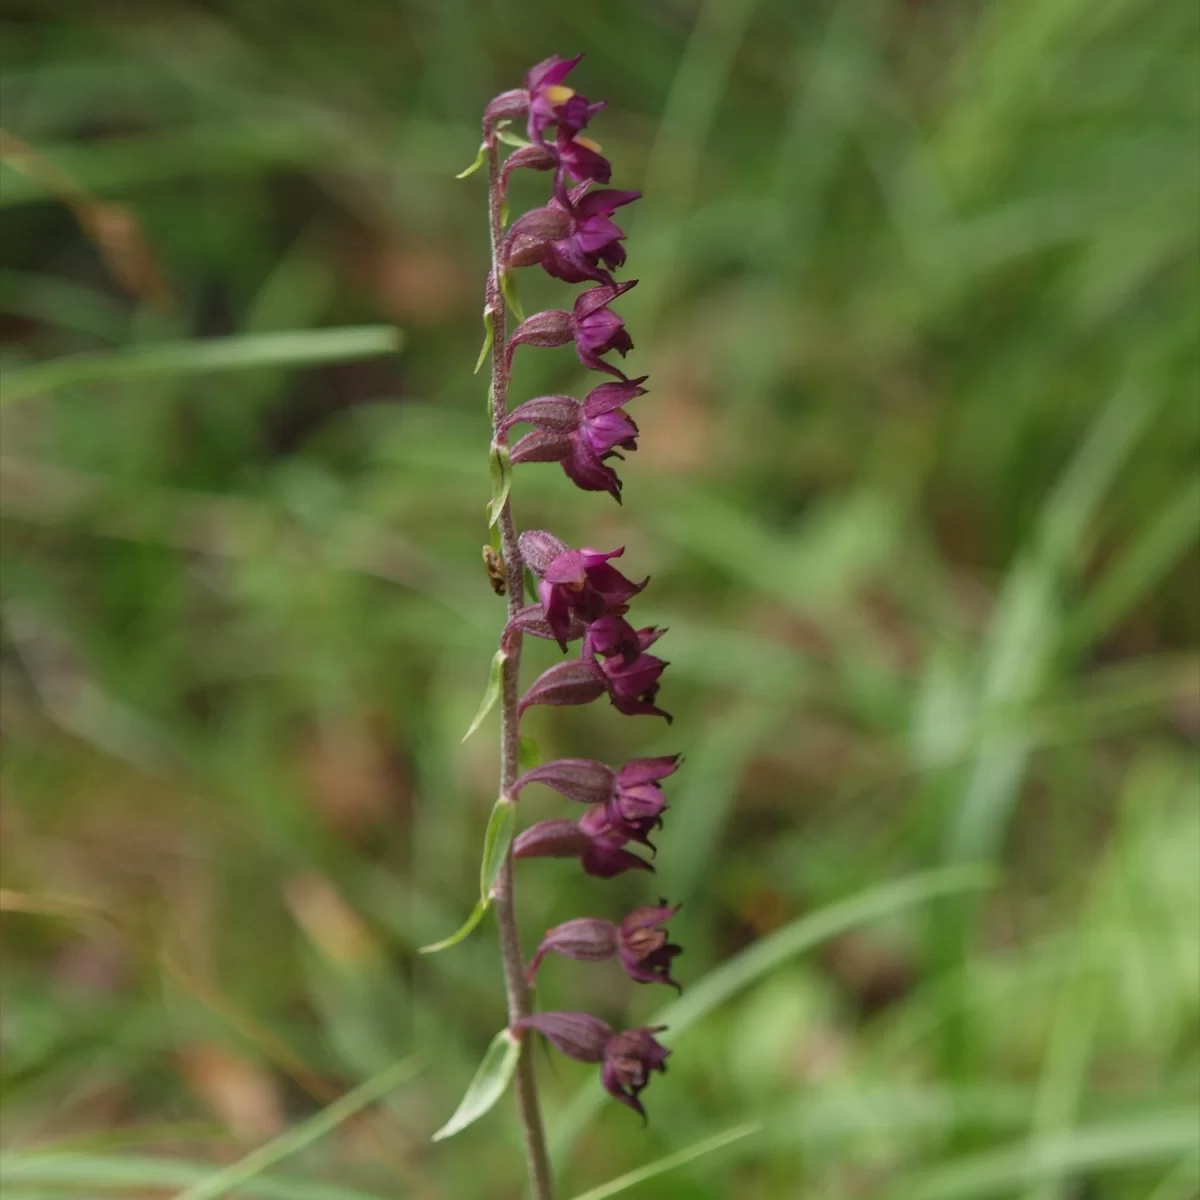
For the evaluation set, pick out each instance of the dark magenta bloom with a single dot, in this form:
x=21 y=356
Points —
x=640 y=942
x=594 y=240
x=633 y=685
x=548 y=95
x=643 y=945
x=592 y=325
x=597 y=329
x=579 y=436
x=579 y=157
x=575 y=581
x=636 y=793
x=612 y=635
x=605 y=824
x=628 y=1058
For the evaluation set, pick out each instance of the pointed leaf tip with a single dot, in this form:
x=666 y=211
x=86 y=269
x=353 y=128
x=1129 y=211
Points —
x=491 y=1081
x=463 y=931
x=491 y=693
x=496 y=842
x=479 y=157
x=500 y=469
x=489 y=326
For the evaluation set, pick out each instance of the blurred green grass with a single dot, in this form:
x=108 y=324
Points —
x=919 y=300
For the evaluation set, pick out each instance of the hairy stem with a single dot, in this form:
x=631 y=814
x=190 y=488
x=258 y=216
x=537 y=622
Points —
x=516 y=990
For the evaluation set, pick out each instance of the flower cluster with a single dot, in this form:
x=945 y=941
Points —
x=582 y=597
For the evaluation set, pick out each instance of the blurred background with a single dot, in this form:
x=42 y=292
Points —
x=917 y=488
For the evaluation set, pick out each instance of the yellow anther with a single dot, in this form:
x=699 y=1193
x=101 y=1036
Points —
x=557 y=94
x=587 y=142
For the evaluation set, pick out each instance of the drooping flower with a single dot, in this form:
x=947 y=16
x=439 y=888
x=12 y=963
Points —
x=640 y=942
x=594 y=238
x=579 y=436
x=644 y=948
x=606 y=825
x=612 y=635
x=575 y=581
x=637 y=792
x=548 y=94
x=628 y=1058
x=633 y=685
x=600 y=855
x=597 y=329
x=591 y=324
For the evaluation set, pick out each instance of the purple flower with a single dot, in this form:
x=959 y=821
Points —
x=640 y=942
x=595 y=238
x=575 y=581
x=607 y=824
x=633 y=685
x=632 y=792
x=611 y=635
x=628 y=1058
x=548 y=95
x=579 y=436
x=579 y=157
x=636 y=793
x=593 y=327
x=602 y=855
x=597 y=330
x=644 y=948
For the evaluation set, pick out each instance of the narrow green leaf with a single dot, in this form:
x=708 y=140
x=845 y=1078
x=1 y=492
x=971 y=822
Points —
x=204 y=355
x=511 y=139
x=500 y=469
x=480 y=155
x=528 y=756
x=489 y=333
x=495 y=845
x=237 y=1174
x=491 y=693
x=508 y=285
x=490 y=1083
x=632 y=1178
x=463 y=931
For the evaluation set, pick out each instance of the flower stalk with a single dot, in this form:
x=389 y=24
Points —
x=515 y=986
x=582 y=598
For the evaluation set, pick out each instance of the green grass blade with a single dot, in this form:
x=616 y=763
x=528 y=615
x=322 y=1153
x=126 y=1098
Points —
x=1001 y=1172
x=757 y=961
x=632 y=1178
x=237 y=1174
x=489 y=1083
x=128 y=1174
x=294 y=348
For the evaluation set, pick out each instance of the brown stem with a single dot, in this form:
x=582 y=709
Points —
x=541 y=1183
